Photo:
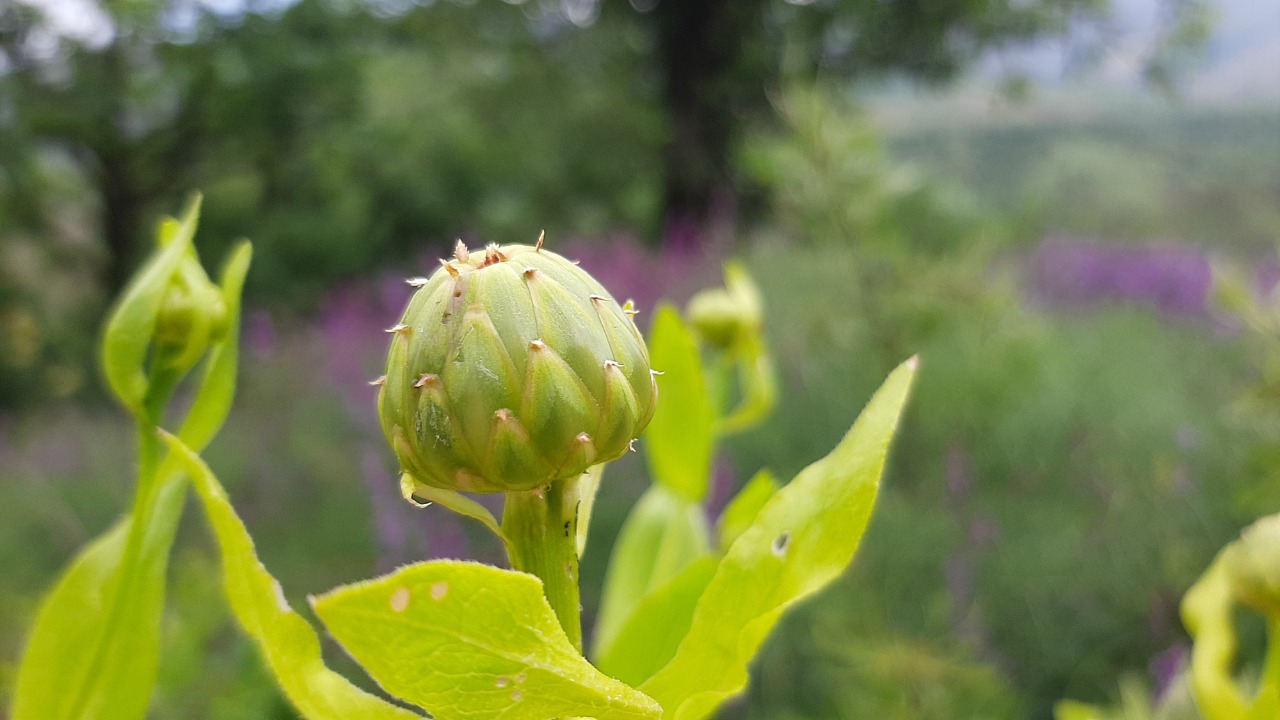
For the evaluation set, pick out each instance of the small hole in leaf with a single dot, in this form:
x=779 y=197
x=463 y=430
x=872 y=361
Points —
x=501 y=681
x=517 y=696
x=780 y=544
x=400 y=599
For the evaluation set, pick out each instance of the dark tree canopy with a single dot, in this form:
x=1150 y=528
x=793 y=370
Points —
x=342 y=135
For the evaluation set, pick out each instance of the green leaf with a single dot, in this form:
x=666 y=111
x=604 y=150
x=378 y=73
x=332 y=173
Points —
x=653 y=631
x=217 y=386
x=465 y=640
x=422 y=495
x=94 y=649
x=1266 y=704
x=744 y=507
x=285 y=639
x=67 y=616
x=663 y=534
x=680 y=439
x=588 y=486
x=1072 y=710
x=758 y=384
x=1208 y=612
x=127 y=338
x=801 y=540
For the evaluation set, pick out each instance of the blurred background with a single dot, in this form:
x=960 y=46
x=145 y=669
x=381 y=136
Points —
x=1070 y=208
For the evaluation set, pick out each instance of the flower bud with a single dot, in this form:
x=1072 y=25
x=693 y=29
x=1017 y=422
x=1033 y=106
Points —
x=512 y=368
x=1254 y=564
x=726 y=317
x=193 y=315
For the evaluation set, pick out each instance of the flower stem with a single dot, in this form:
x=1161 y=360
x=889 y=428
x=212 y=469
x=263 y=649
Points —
x=1271 y=668
x=541 y=530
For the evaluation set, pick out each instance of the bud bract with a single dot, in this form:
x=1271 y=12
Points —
x=512 y=368
x=1254 y=564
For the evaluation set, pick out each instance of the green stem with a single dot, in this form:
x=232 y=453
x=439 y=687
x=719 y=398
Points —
x=152 y=523
x=541 y=531
x=126 y=573
x=1271 y=668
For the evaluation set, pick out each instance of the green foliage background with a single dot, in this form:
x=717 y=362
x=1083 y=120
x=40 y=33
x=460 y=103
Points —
x=1063 y=475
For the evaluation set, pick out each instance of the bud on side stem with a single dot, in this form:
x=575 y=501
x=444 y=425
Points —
x=168 y=318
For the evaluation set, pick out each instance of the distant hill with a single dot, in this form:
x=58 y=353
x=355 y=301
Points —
x=1239 y=65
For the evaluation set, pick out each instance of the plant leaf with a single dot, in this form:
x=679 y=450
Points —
x=421 y=495
x=127 y=337
x=286 y=640
x=1208 y=612
x=465 y=640
x=1072 y=710
x=652 y=632
x=217 y=386
x=758 y=384
x=680 y=438
x=588 y=486
x=801 y=540
x=663 y=534
x=744 y=507
x=62 y=676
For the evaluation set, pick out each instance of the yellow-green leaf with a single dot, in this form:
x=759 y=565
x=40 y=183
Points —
x=285 y=639
x=588 y=486
x=652 y=632
x=663 y=534
x=469 y=641
x=1072 y=710
x=94 y=648
x=127 y=337
x=217 y=387
x=680 y=440
x=422 y=495
x=743 y=508
x=802 y=539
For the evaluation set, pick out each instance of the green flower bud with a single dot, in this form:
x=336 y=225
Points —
x=725 y=317
x=193 y=315
x=168 y=318
x=1254 y=564
x=510 y=369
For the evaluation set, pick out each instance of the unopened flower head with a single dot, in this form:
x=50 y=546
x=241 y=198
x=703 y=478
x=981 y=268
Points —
x=192 y=316
x=725 y=317
x=511 y=368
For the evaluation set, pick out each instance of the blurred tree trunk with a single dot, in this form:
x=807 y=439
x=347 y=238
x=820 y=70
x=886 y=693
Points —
x=701 y=45
x=116 y=180
x=121 y=216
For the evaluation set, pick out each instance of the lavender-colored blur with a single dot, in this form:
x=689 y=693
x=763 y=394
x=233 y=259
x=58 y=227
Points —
x=1070 y=272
